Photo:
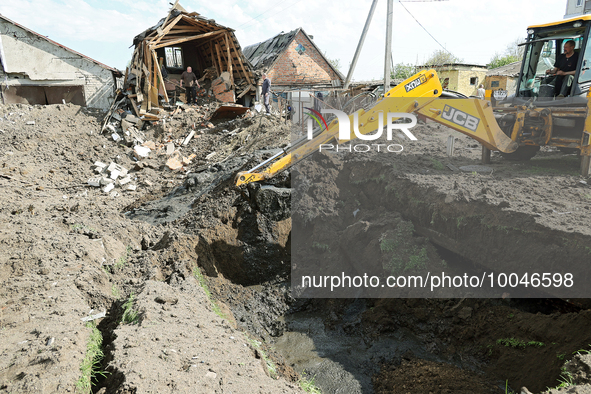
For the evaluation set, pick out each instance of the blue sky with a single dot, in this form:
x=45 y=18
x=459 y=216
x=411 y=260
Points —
x=470 y=29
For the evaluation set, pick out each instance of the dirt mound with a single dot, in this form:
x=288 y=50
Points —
x=81 y=284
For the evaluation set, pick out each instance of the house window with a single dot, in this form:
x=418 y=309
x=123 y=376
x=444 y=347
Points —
x=494 y=84
x=579 y=3
x=300 y=49
x=174 y=57
x=473 y=80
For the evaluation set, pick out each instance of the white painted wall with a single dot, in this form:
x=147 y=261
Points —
x=28 y=59
x=576 y=8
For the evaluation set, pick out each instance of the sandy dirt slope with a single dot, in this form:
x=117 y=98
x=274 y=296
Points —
x=68 y=251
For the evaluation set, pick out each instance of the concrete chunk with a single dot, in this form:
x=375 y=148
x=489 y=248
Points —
x=96 y=182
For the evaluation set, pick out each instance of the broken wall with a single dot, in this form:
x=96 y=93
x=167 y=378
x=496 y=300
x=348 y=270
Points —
x=35 y=67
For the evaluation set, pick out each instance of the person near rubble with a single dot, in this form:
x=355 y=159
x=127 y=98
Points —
x=266 y=92
x=189 y=79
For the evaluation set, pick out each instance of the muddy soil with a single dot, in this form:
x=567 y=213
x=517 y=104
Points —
x=143 y=257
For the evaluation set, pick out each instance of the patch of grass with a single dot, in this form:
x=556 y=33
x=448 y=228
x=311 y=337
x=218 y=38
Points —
x=309 y=384
x=271 y=368
x=129 y=316
x=91 y=364
x=518 y=344
x=510 y=316
x=437 y=164
x=405 y=255
x=115 y=292
x=561 y=356
x=201 y=279
x=565 y=380
x=321 y=247
x=122 y=261
x=459 y=221
x=583 y=351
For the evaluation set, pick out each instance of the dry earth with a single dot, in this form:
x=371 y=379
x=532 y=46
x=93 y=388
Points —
x=70 y=251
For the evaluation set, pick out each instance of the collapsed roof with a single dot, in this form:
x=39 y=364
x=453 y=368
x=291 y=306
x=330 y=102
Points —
x=184 y=39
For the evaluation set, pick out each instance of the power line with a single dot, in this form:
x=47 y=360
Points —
x=419 y=23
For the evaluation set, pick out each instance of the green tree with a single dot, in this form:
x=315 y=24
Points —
x=441 y=57
x=501 y=60
x=336 y=63
x=402 y=71
x=513 y=53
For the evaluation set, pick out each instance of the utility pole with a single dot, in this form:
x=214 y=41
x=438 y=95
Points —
x=387 y=61
x=387 y=66
x=360 y=44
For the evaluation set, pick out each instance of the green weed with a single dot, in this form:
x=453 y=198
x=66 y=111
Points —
x=271 y=368
x=201 y=279
x=91 y=363
x=437 y=164
x=309 y=384
x=518 y=344
x=321 y=247
x=129 y=316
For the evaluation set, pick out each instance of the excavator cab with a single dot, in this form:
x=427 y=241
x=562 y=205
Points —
x=543 y=45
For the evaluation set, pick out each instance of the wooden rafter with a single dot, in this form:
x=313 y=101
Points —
x=241 y=64
x=181 y=40
x=166 y=30
x=229 y=60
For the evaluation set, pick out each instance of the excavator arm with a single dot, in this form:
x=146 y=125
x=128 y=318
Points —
x=419 y=95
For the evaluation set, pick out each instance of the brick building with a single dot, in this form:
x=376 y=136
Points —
x=292 y=60
x=297 y=68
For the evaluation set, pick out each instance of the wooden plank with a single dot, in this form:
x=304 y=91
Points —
x=229 y=60
x=190 y=38
x=217 y=50
x=158 y=67
x=148 y=80
x=166 y=30
x=244 y=91
x=193 y=30
x=239 y=55
x=159 y=30
x=134 y=105
x=213 y=58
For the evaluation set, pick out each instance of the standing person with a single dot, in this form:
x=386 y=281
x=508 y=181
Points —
x=266 y=91
x=481 y=92
x=565 y=66
x=190 y=80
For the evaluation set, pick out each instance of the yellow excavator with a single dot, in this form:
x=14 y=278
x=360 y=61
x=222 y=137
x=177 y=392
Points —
x=534 y=115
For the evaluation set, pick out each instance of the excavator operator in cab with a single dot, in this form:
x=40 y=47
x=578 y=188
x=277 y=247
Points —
x=565 y=68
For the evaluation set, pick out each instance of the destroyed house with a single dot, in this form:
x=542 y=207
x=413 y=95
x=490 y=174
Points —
x=37 y=70
x=293 y=61
x=182 y=40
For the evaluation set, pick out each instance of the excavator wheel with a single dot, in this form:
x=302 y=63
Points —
x=523 y=153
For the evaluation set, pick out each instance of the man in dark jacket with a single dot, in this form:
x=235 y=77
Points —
x=189 y=79
x=266 y=92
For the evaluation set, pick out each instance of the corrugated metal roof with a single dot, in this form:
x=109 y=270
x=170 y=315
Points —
x=510 y=70
x=264 y=53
